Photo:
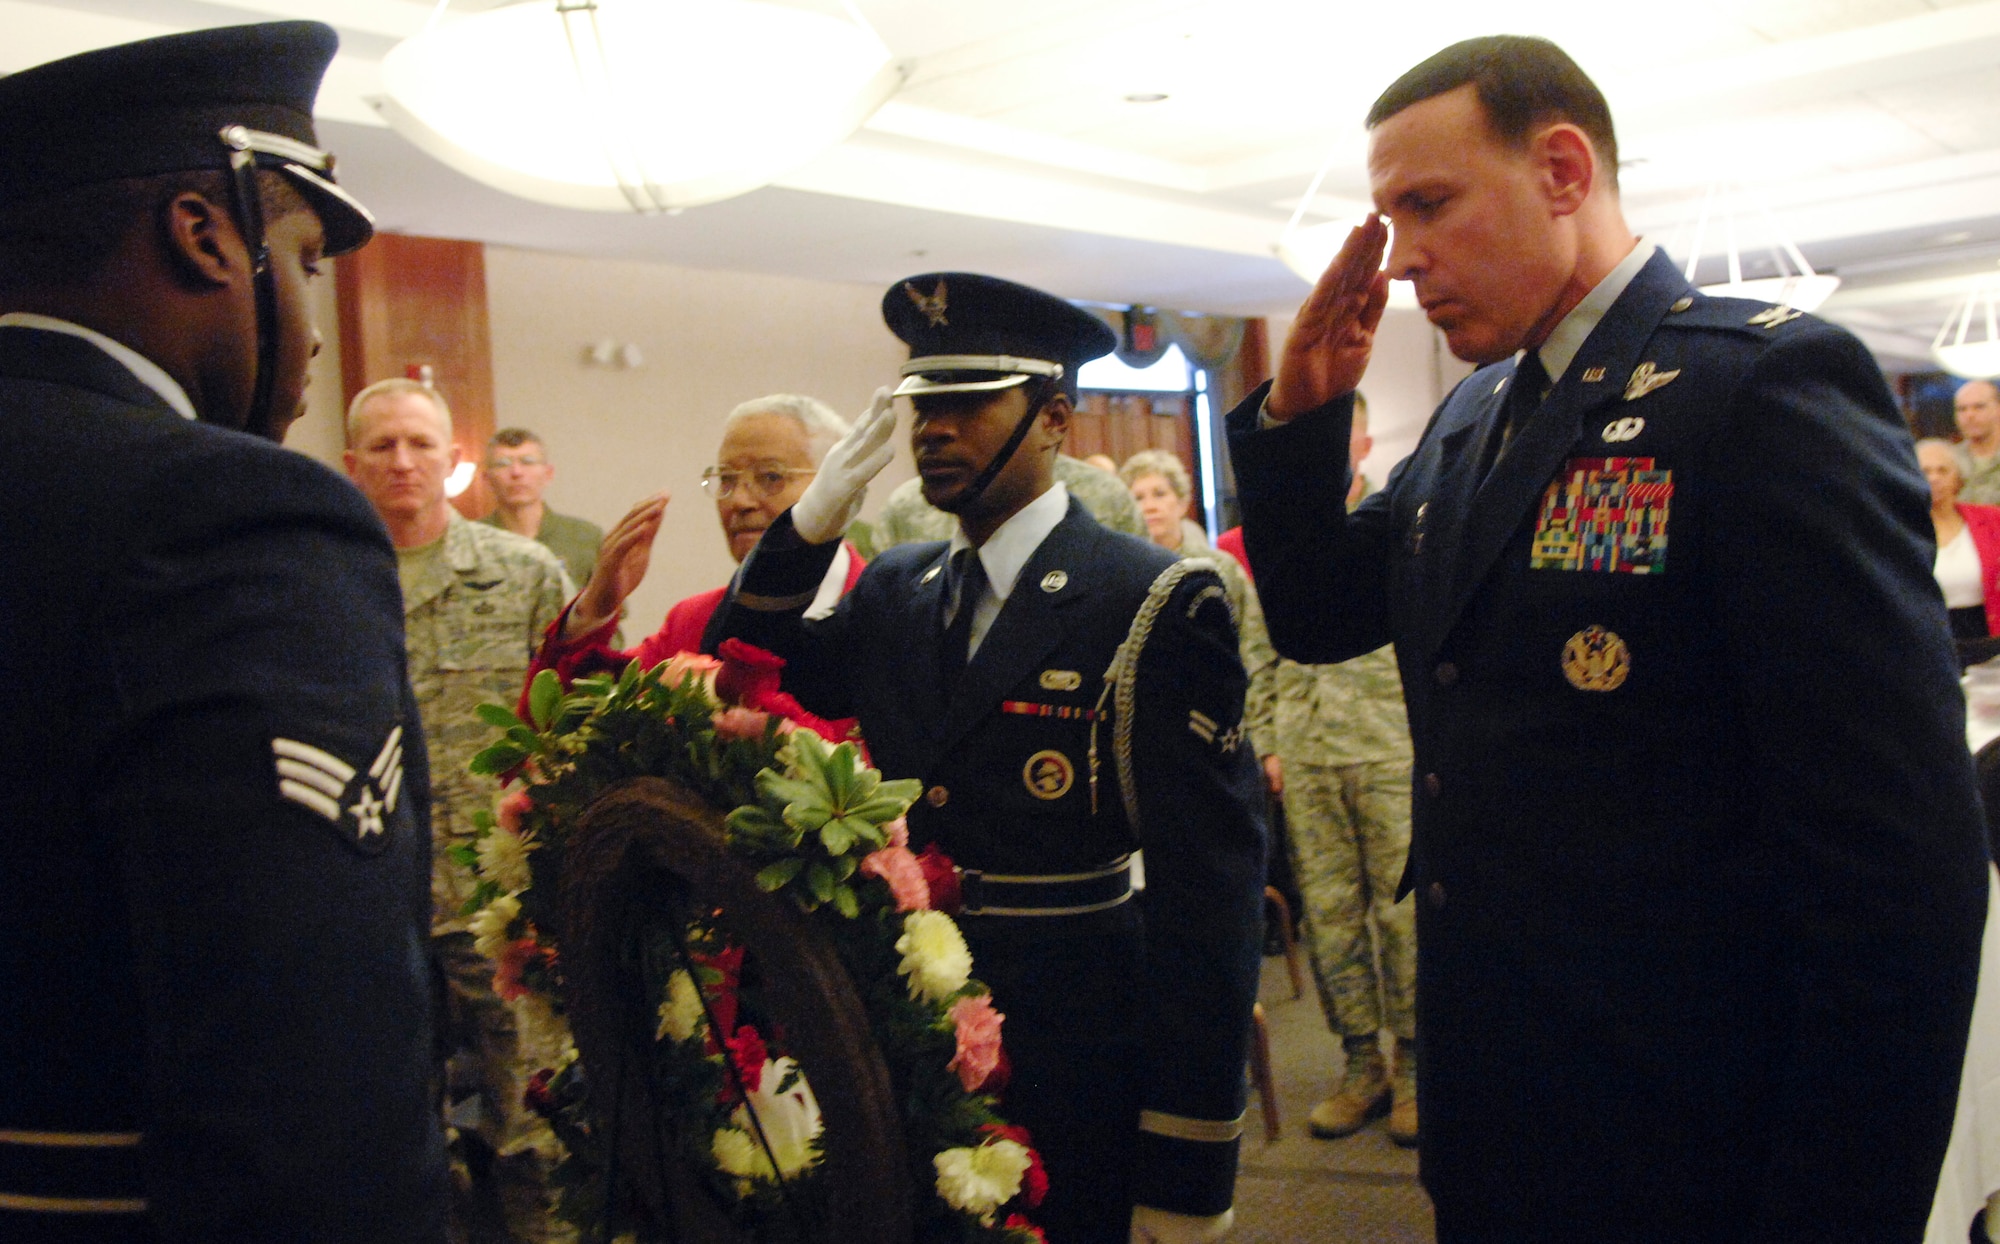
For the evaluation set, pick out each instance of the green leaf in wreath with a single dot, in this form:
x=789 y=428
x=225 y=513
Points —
x=463 y=855
x=819 y=881
x=543 y=695
x=499 y=716
x=498 y=758
x=845 y=902
x=772 y=877
x=836 y=837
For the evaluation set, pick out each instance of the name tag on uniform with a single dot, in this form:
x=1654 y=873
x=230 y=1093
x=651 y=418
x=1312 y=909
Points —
x=1604 y=514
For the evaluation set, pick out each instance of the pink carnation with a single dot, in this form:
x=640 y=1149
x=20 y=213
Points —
x=978 y=1026
x=740 y=723
x=899 y=832
x=895 y=865
x=513 y=806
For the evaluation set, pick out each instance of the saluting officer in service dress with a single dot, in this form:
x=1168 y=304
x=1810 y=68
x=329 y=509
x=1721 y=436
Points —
x=1127 y=1021
x=1698 y=870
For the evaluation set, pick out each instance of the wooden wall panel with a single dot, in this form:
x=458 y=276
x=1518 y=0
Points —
x=409 y=303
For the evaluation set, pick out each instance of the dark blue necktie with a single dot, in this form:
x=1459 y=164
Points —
x=965 y=583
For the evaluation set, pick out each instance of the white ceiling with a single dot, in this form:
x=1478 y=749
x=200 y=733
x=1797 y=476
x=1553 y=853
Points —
x=1871 y=127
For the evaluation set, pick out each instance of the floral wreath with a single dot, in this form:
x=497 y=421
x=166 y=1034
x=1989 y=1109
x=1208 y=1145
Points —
x=818 y=826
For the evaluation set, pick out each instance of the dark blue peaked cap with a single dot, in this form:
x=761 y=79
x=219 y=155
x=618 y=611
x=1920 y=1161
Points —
x=165 y=105
x=971 y=333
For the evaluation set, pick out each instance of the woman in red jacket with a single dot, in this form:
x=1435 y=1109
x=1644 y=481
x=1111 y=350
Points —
x=1968 y=546
x=771 y=449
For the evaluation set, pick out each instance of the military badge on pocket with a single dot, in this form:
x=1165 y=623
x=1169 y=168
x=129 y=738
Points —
x=1604 y=514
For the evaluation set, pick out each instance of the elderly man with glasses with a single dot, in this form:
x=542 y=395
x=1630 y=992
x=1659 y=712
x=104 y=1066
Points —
x=771 y=449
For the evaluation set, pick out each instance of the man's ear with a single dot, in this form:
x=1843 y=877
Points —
x=200 y=240
x=1057 y=413
x=1568 y=166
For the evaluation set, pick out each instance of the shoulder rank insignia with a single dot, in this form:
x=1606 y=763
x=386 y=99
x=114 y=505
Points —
x=1645 y=378
x=1595 y=659
x=1771 y=317
x=932 y=304
x=323 y=783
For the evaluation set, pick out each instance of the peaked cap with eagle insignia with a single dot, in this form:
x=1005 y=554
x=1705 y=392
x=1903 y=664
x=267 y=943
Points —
x=971 y=333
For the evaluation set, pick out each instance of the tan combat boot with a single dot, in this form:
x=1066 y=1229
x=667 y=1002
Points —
x=1363 y=1093
x=1403 y=1089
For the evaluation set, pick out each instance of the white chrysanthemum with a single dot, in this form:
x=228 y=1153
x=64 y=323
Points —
x=680 y=1011
x=979 y=1181
x=503 y=859
x=935 y=956
x=490 y=923
x=791 y=1122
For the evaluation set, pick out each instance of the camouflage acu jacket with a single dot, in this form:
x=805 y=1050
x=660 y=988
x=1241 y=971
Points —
x=472 y=623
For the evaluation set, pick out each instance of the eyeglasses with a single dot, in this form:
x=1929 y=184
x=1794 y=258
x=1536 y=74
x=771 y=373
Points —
x=526 y=460
x=764 y=482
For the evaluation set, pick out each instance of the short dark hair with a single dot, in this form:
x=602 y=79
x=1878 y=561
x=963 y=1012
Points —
x=1522 y=82
x=514 y=438
x=66 y=238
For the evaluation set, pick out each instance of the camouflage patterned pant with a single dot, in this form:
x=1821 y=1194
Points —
x=495 y=1049
x=1350 y=832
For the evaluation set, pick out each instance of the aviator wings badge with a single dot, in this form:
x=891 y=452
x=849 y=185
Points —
x=1645 y=378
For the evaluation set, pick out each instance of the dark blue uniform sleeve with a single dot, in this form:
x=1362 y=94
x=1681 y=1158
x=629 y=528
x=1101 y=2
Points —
x=266 y=793
x=766 y=605
x=1322 y=573
x=1197 y=784
x=1840 y=653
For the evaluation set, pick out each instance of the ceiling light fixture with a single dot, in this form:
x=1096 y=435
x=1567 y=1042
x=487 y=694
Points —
x=1796 y=285
x=1978 y=359
x=636 y=105
x=1146 y=97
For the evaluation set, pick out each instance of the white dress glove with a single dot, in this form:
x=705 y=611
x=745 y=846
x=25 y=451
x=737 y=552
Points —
x=834 y=497
x=1159 y=1226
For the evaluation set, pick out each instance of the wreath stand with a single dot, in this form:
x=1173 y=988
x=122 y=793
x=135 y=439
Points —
x=646 y=838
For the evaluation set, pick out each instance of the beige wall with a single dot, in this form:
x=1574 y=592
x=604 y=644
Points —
x=709 y=340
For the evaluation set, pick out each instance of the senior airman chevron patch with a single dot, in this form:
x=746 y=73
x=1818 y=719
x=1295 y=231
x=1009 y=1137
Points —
x=352 y=802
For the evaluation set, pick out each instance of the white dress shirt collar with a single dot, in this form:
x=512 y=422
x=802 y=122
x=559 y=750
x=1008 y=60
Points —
x=145 y=370
x=1007 y=550
x=1559 y=351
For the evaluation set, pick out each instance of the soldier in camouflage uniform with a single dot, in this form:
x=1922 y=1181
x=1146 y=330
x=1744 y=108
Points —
x=907 y=518
x=1343 y=741
x=476 y=600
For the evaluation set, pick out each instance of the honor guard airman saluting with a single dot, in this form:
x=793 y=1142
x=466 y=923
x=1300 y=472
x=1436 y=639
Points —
x=213 y=865
x=1067 y=695
x=1697 y=854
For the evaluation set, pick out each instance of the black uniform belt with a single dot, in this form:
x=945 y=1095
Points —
x=70 y=1173
x=1046 y=894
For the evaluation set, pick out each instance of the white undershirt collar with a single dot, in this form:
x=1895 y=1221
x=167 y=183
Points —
x=1007 y=551
x=145 y=370
x=1559 y=351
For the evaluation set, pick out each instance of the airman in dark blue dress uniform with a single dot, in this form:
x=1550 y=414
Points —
x=1697 y=853
x=1099 y=712
x=214 y=860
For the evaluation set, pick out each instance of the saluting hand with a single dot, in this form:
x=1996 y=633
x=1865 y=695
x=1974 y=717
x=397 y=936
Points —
x=621 y=566
x=1328 y=346
x=834 y=497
